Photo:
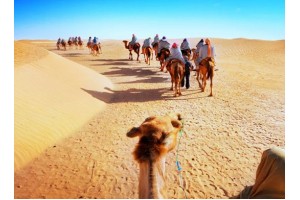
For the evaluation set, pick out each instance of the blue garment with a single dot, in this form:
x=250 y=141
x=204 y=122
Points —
x=133 y=40
x=198 y=46
x=185 y=45
x=95 y=40
x=147 y=43
x=203 y=52
x=175 y=53
x=163 y=44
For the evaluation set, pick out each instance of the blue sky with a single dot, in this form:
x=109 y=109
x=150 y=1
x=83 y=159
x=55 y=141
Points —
x=113 y=19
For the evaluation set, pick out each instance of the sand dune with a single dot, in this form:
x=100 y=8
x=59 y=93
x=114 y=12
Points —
x=47 y=89
x=225 y=134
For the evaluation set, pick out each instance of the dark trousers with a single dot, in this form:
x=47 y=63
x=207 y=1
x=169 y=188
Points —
x=187 y=80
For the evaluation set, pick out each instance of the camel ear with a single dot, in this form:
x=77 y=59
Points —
x=176 y=123
x=135 y=131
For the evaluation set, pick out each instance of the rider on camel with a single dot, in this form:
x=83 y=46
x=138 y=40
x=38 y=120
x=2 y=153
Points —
x=163 y=44
x=147 y=43
x=175 y=53
x=185 y=47
x=132 y=42
x=156 y=40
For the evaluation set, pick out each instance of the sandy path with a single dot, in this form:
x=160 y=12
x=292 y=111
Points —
x=225 y=134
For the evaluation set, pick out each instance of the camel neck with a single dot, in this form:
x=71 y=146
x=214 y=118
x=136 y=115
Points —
x=151 y=179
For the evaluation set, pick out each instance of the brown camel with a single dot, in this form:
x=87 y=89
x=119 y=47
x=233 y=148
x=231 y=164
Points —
x=58 y=45
x=70 y=43
x=136 y=49
x=76 y=44
x=157 y=136
x=155 y=49
x=163 y=55
x=206 y=71
x=89 y=46
x=64 y=45
x=147 y=54
x=95 y=50
x=80 y=44
x=176 y=70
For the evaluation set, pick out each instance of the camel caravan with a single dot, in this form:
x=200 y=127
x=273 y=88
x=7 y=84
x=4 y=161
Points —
x=177 y=59
x=72 y=41
x=174 y=58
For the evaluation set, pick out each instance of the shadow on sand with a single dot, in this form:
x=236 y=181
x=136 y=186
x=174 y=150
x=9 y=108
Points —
x=130 y=95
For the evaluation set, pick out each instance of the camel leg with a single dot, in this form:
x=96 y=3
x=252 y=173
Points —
x=175 y=92
x=179 y=85
x=204 y=83
x=172 y=84
x=211 y=85
x=198 y=79
x=178 y=88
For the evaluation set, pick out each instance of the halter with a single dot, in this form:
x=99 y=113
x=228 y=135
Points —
x=179 y=168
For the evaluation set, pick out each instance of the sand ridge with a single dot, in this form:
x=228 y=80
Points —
x=225 y=134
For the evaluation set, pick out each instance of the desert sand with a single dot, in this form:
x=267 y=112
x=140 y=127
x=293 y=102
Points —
x=72 y=112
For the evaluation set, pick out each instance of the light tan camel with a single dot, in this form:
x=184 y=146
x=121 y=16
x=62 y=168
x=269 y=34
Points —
x=204 y=71
x=157 y=136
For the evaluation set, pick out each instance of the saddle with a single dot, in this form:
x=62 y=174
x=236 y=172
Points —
x=208 y=61
x=164 y=51
x=186 y=52
x=173 y=60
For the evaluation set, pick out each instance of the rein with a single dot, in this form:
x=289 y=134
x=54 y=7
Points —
x=179 y=168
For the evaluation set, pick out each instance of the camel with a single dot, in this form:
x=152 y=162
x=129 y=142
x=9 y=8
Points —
x=70 y=43
x=164 y=54
x=80 y=44
x=176 y=70
x=95 y=50
x=64 y=45
x=206 y=71
x=89 y=46
x=76 y=44
x=58 y=45
x=157 y=137
x=136 y=49
x=155 y=48
x=147 y=54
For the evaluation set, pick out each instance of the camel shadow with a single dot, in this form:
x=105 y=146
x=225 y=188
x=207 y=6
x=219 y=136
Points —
x=130 y=95
x=141 y=75
x=109 y=62
x=72 y=54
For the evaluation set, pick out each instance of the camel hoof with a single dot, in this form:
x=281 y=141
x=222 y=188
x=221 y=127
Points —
x=210 y=95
